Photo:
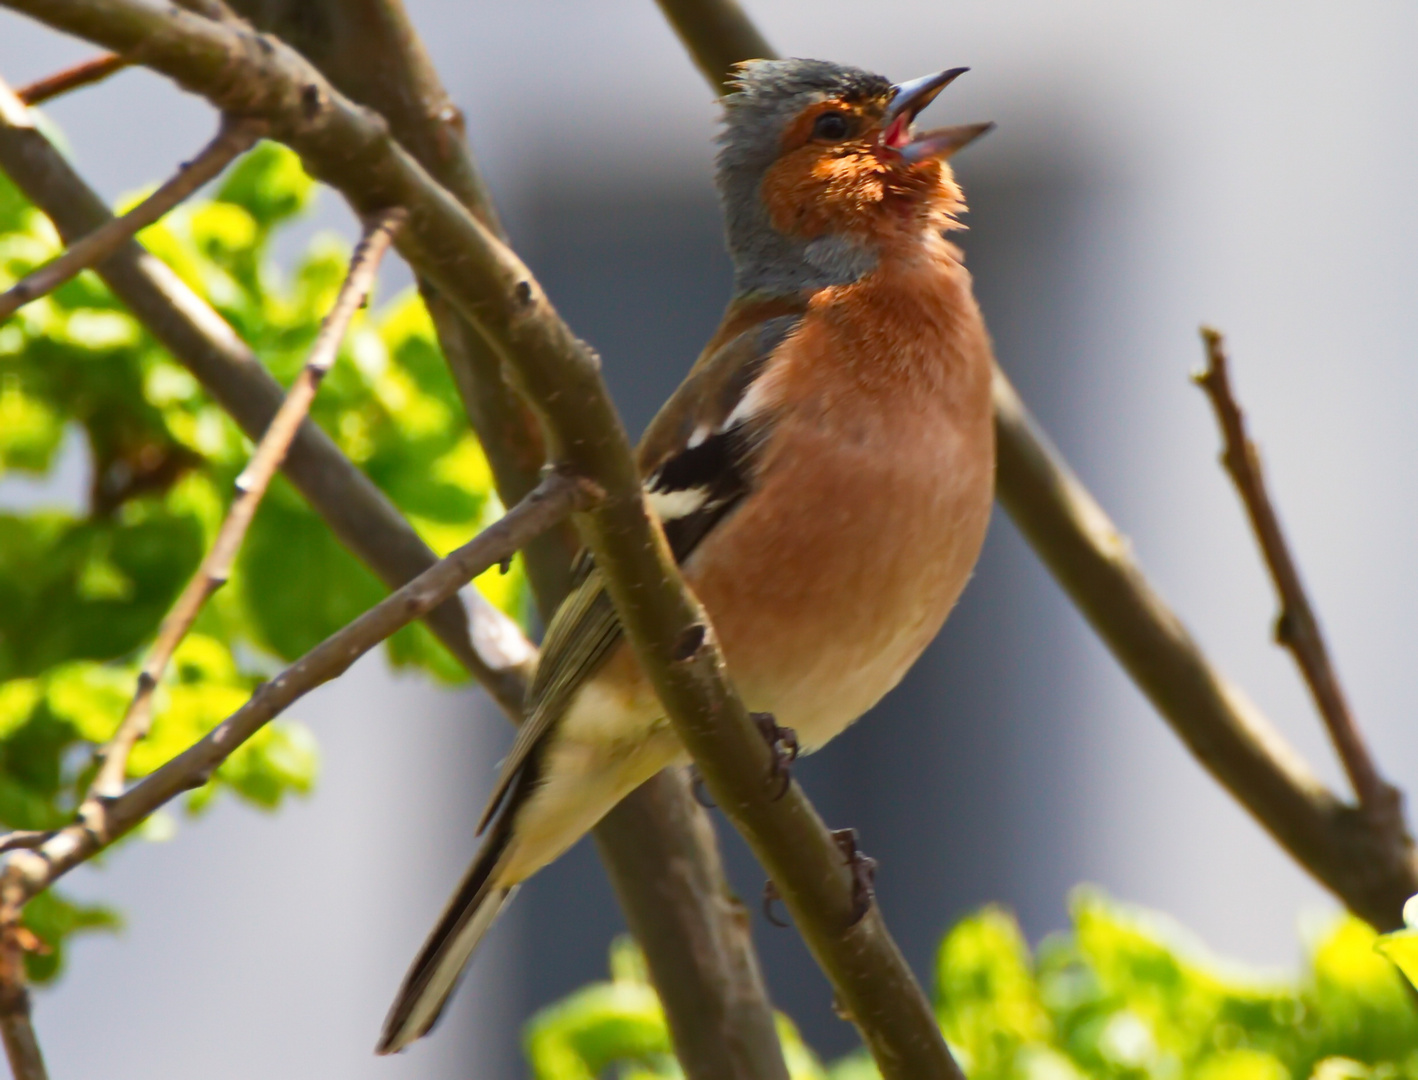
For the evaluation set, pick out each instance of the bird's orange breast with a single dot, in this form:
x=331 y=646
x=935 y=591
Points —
x=872 y=496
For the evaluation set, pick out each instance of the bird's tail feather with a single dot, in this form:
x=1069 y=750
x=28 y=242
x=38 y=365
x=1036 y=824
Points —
x=435 y=971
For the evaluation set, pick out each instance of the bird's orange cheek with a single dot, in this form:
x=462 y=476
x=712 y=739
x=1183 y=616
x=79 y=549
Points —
x=807 y=193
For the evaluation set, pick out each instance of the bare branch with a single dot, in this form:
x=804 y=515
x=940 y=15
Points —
x=718 y=35
x=234 y=139
x=251 y=488
x=16 y=1029
x=485 y=641
x=105 y=820
x=24 y=838
x=72 y=78
x=660 y=847
x=1296 y=628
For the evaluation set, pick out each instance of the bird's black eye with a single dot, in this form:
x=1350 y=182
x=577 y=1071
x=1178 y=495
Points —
x=830 y=125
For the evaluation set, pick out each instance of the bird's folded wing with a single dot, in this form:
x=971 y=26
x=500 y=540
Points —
x=697 y=458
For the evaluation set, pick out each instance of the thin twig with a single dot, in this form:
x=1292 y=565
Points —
x=251 y=487
x=1297 y=628
x=235 y=138
x=105 y=820
x=85 y=73
x=484 y=640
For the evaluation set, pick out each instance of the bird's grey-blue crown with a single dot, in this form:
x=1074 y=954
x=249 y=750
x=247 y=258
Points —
x=767 y=95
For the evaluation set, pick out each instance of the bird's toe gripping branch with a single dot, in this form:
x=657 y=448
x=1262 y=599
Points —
x=863 y=868
x=784 y=744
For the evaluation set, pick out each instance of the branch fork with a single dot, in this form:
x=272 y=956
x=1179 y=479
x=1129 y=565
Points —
x=1297 y=627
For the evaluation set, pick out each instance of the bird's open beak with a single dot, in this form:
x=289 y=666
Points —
x=908 y=101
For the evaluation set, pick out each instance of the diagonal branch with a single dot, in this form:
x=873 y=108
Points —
x=85 y=73
x=233 y=140
x=251 y=488
x=717 y=34
x=107 y=819
x=352 y=150
x=1297 y=627
x=1370 y=868
x=486 y=642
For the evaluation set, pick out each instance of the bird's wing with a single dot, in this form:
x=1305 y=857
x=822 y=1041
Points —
x=697 y=458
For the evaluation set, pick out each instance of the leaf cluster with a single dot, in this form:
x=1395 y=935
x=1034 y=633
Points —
x=1123 y=995
x=83 y=590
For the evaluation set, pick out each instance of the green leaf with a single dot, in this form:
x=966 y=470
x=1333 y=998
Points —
x=298 y=584
x=1363 y=1009
x=986 y=995
x=269 y=184
x=54 y=921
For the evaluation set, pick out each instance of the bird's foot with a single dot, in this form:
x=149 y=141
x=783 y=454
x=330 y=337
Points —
x=698 y=790
x=771 y=895
x=863 y=869
x=784 y=744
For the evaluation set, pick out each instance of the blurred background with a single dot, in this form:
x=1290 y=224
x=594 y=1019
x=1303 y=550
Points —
x=1156 y=165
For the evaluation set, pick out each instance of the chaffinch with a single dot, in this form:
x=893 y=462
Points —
x=823 y=475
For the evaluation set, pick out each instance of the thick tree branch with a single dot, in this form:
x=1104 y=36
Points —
x=234 y=139
x=106 y=820
x=492 y=648
x=658 y=846
x=251 y=489
x=664 y=862
x=717 y=34
x=353 y=151
x=71 y=78
x=1367 y=866
x=1297 y=627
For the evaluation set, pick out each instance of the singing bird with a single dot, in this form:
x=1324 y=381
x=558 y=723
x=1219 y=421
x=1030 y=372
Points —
x=823 y=475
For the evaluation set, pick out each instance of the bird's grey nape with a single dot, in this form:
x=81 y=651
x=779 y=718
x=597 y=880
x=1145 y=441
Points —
x=767 y=95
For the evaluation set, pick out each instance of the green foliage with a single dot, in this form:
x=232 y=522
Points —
x=53 y=920
x=620 y=1024
x=82 y=593
x=1123 y=995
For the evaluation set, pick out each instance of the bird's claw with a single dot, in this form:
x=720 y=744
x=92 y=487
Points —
x=784 y=744
x=770 y=896
x=863 y=869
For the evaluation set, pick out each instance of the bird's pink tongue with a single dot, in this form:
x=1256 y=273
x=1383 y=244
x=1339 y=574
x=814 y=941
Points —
x=898 y=134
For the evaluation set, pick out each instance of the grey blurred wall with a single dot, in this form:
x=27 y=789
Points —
x=1250 y=164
